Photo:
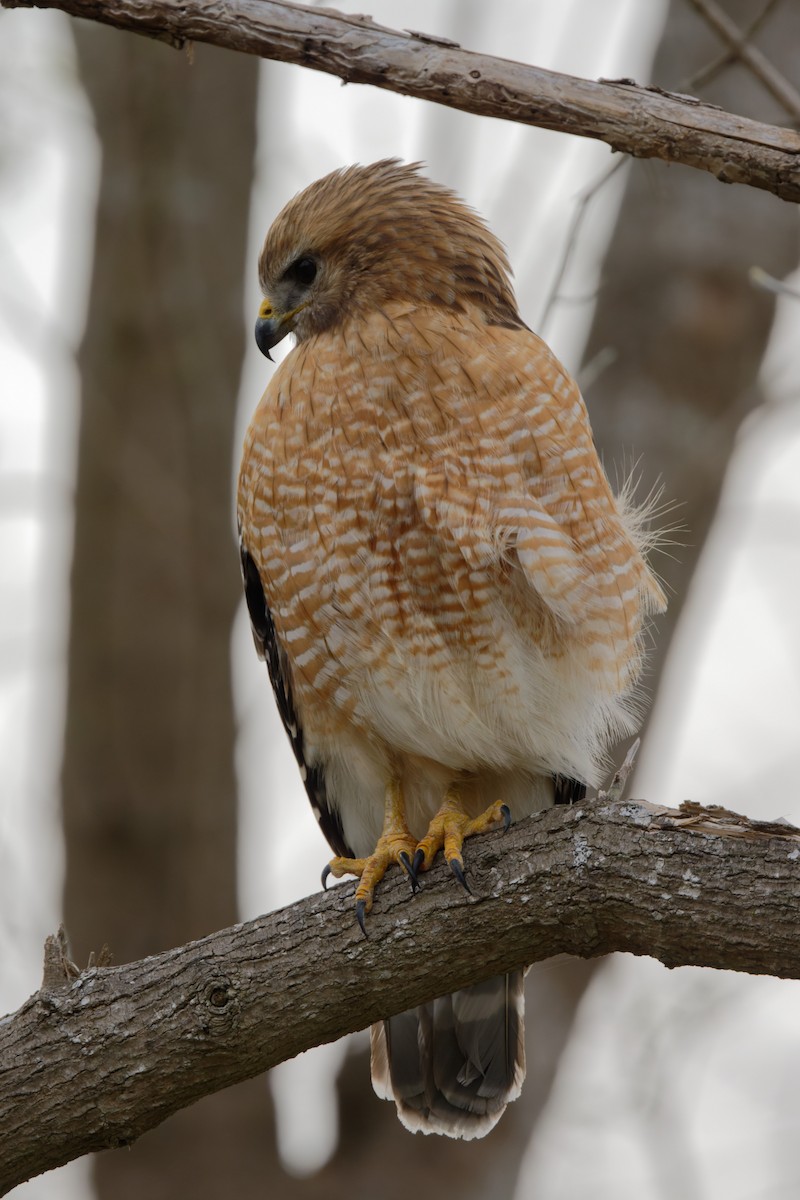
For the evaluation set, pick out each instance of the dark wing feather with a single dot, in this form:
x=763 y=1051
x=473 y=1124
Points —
x=270 y=649
x=567 y=791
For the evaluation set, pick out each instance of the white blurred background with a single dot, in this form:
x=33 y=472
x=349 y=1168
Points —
x=670 y=1083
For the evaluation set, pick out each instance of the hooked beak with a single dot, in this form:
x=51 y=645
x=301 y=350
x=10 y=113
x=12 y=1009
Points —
x=272 y=326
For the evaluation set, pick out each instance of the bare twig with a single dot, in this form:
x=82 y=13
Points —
x=761 y=279
x=59 y=970
x=617 y=786
x=581 y=208
x=759 y=65
x=709 y=72
x=636 y=120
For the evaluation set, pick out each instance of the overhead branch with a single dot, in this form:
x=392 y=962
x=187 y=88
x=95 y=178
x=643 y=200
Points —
x=94 y=1059
x=644 y=122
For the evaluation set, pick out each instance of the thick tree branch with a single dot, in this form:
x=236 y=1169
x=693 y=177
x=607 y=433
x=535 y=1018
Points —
x=644 y=122
x=94 y=1061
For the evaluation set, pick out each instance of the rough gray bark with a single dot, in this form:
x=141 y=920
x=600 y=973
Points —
x=639 y=121
x=94 y=1061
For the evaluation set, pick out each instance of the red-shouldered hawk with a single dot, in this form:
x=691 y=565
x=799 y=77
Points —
x=448 y=596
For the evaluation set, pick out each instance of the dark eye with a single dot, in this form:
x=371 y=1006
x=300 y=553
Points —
x=302 y=270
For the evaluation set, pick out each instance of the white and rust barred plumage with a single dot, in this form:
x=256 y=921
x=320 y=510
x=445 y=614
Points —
x=448 y=594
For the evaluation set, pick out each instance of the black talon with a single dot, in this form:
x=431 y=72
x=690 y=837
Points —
x=506 y=812
x=458 y=871
x=326 y=871
x=418 y=860
x=409 y=866
x=361 y=908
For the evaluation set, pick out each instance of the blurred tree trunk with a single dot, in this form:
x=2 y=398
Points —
x=149 y=790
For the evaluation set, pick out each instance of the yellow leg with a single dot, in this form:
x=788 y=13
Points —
x=394 y=845
x=448 y=830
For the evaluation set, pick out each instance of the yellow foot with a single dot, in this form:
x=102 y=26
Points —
x=394 y=845
x=448 y=830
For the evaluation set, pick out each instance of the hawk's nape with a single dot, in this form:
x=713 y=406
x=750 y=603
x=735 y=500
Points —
x=449 y=596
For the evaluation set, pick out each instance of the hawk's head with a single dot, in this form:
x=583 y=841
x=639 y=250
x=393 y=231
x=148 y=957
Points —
x=364 y=236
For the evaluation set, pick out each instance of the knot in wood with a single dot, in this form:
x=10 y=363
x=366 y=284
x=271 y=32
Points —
x=219 y=997
x=218 y=1005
